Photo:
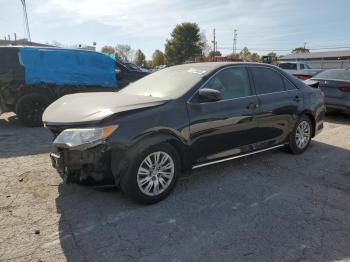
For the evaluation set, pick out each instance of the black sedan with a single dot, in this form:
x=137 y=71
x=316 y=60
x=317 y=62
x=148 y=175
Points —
x=180 y=118
x=128 y=73
x=335 y=83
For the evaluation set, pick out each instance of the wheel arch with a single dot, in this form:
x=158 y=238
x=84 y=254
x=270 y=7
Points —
x=42 y=90
x=311 y=116
x=119 y=168
x=165 y=136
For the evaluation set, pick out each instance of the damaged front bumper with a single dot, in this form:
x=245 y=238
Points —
x=77 y=166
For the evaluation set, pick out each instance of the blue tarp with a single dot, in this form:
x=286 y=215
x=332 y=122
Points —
x=67 y=67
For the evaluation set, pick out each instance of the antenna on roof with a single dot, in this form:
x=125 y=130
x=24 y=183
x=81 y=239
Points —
x=26 y=19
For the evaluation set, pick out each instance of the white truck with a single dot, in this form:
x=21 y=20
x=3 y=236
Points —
x=300 y=69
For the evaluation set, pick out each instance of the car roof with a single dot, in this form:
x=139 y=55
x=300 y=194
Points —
x=212 y=66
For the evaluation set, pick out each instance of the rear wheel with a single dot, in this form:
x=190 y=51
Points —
x=30 y=109
x=153 y=175
x=301 y=136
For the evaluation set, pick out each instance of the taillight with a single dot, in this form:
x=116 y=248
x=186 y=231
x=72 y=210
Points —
x=345 y=89
x=303 y=77
x=322 y=94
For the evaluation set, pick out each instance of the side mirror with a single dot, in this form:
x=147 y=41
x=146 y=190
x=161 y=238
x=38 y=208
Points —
x=208 y=95
x=118 y=72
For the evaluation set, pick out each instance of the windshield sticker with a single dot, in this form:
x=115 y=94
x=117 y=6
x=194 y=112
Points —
x=196 y=71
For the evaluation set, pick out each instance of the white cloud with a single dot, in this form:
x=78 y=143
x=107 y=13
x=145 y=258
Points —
x=146 y=24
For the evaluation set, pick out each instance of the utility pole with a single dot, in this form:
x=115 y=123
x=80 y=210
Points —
x=214 y=41
x=26 y=19
x=304 y=45
x=234 y=41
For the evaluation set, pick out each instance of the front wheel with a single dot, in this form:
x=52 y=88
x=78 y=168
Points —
x=153 y=175
x=300 y=138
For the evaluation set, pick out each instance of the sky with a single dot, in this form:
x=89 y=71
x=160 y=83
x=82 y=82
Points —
x=263 y=25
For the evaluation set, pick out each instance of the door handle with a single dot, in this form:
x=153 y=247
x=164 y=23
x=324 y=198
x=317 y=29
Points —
x=252 y=106
x=297 y=99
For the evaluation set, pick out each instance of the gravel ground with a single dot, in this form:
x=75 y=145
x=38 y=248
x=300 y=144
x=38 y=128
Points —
x=268 y=207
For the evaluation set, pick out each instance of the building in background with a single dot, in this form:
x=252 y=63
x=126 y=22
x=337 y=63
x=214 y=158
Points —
x=22 y=42
x=86 y=47
x=25 y=42
x=322 y=60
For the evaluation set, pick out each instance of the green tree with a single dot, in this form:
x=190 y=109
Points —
x=140 y=58
x=158 y=58
x=245 y=54
x=300 y=50
x=185 y=43
x=109 y=50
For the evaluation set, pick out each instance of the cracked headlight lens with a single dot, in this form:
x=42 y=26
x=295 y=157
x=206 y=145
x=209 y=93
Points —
x=74 y=137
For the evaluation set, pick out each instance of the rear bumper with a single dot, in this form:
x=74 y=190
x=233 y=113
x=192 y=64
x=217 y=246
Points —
x=319 y=119
x=338 y=104
x=78 y=166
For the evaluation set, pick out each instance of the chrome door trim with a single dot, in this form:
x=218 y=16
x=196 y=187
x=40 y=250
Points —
x=235 y=157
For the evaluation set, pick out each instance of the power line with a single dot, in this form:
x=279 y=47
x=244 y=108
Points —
x=26 y=19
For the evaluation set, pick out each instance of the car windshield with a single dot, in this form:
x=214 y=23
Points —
x=334 y=74
x=133 y=66
x=171 y=82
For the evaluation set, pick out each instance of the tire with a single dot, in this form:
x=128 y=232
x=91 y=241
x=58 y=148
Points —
x=30 y=108
x=301 y=135
x=139 y=173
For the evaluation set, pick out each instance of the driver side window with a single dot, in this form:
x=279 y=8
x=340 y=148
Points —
x=231 y=82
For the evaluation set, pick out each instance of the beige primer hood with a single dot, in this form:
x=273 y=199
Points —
x=85 y=107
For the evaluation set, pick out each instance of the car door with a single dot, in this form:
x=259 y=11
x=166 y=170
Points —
x=280 y=101
x=226 y=127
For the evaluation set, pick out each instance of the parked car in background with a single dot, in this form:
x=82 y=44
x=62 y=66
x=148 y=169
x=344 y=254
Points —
x=31 y=78
x=135 y=67
x=335 y=83
x=178 y=118
x=128 y=73
x=299 y=69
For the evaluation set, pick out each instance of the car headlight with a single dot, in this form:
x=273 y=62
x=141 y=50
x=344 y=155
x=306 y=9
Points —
x=75 y=137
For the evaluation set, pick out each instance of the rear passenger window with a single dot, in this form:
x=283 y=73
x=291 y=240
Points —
x=288 y=85
x=301 y=67
x=267 y=80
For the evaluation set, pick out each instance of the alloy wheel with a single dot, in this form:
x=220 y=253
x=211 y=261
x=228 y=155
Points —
x=155 y=173
x=303 y=134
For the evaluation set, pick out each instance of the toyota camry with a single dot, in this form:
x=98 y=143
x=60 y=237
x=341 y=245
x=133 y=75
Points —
x=180 y=118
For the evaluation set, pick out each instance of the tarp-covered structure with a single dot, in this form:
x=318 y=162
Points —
x=58 y=66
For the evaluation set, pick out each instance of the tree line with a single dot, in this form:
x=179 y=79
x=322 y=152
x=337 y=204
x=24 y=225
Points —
x=186 y=44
